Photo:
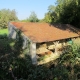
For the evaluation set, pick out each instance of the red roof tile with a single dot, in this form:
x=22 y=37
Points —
x=44 y=32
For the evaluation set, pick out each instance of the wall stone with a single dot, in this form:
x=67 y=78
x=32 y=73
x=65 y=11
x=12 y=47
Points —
x=33 y=52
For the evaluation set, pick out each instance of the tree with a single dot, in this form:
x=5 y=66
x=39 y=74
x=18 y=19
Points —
x=70 y=12
x=7 y=15
x=51 y=8
x=13 y=15
x=48 y=16
x=33 y=17
x=66 y=11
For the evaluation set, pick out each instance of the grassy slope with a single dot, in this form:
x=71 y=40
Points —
x=3 y=31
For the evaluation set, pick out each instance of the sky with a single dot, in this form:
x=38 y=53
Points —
x=25 y=7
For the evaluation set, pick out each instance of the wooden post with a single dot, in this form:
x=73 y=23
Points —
x=56 y=48
x=33 y=52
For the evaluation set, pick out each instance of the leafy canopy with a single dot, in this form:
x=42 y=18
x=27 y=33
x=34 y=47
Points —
x=33 y=17
x=7 y=15
x=66 y=11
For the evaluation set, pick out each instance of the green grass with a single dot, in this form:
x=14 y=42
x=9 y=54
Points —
x=3 y=31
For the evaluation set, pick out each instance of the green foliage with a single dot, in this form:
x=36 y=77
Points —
x=72 y=55
x=3 y=36
x=69 y=12
x=25 y=20
x=3 y=31
x=48 y=16
x=60 y=72
x=33 y=17
x=71 y=59
x=51 y=8
x=12 y=66
x=66 y=11
x=7 y=15
x=19 y=41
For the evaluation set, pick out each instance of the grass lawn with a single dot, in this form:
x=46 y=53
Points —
x=4 y=39
x=3 y=31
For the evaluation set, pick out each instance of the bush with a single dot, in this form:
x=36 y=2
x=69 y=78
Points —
x=4 y=36
x=14 y=67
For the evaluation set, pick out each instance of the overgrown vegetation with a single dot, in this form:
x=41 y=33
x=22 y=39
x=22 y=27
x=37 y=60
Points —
x=14 y=67
x=66 y=12
x=3 y=31
x=7 y=15
x=31 y=18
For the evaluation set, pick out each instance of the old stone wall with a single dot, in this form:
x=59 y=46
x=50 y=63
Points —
x=12 y=31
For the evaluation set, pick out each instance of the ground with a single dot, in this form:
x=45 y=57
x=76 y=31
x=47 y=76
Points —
x=10 y=60
x=3 y=31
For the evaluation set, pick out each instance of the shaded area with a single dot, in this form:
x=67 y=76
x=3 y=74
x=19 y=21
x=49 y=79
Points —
x=66 y=27
x=13 y=67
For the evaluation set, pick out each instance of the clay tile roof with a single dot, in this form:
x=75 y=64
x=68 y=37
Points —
x=44 y=32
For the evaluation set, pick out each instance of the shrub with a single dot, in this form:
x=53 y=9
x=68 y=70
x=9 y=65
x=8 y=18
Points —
x=4 y=36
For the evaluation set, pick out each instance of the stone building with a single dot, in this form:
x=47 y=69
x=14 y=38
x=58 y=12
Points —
x=45 y=39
